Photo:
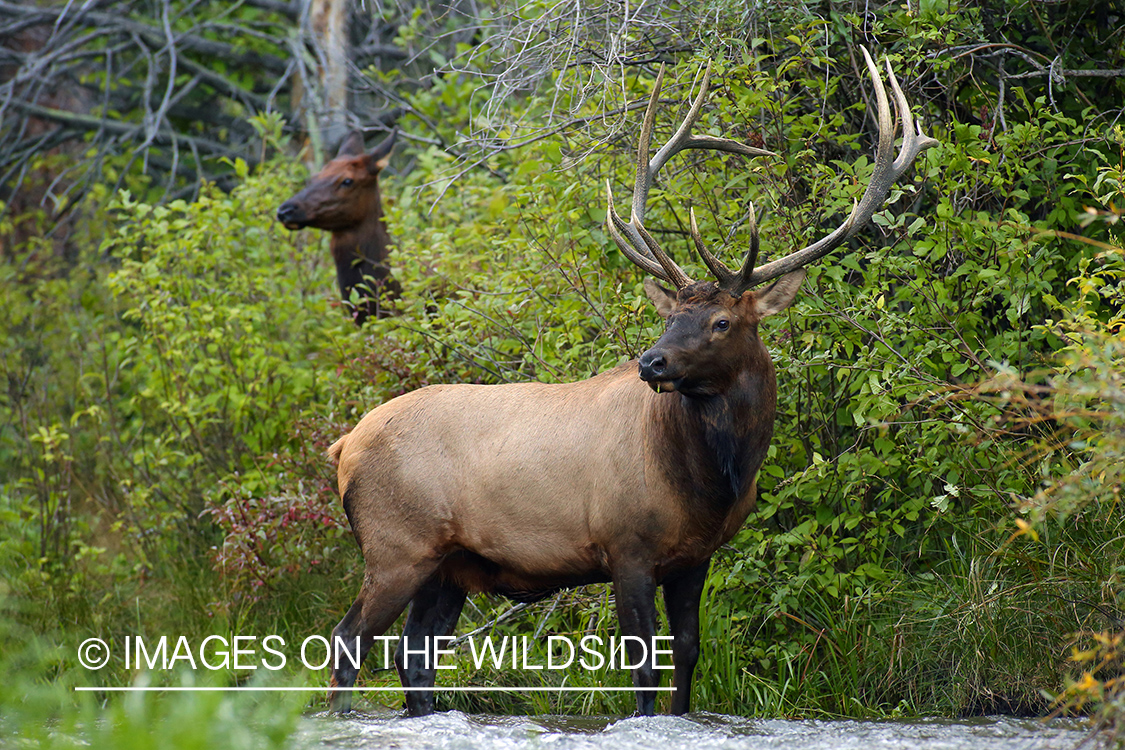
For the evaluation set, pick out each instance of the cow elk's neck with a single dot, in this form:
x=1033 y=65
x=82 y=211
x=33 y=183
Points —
x=367 y=239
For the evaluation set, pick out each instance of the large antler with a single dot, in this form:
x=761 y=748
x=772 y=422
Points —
x=887 y=170
x=637 y=244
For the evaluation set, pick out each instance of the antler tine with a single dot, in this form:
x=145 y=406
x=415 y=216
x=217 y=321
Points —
x=887 y=170
x=645 y=174
x=683 y=139
x=617 y=227
x=722 y=273
x=664 y=267
x=675 y=274
x=683 y=133
x=735 y=283
x=913 y=140
x=680 y=141
x=747 y=270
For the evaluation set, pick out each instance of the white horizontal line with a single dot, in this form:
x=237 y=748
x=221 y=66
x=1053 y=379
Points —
x=437 y=689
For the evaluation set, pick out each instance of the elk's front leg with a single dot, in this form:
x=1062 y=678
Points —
x=681 y=601
x=635 y=592
x=433 y=613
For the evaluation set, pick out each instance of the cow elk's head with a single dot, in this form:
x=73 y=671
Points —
x=344 y=192
x=712 y=326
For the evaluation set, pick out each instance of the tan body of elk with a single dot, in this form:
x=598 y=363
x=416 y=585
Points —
x=344 y=199
x=524 y=489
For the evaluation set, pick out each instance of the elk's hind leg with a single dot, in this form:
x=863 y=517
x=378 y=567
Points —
x=433 y=613
x=382 y=598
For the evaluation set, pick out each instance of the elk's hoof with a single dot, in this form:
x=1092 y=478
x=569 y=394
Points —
x=339 y=701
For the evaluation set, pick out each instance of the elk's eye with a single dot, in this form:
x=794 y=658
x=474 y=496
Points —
x=721 y=324
x=346 y=182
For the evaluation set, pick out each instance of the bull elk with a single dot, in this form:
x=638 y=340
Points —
x=525 y=489
x=343 y=198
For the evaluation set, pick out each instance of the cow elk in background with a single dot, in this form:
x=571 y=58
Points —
x=525 y=489
x=344 y=199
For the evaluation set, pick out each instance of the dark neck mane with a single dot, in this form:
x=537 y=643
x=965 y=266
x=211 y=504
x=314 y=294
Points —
x=712 y=447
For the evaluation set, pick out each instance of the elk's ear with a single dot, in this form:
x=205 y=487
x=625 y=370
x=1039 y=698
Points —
x=779 y=295
x=352 y=145
x=664 y=299
x=380 y=156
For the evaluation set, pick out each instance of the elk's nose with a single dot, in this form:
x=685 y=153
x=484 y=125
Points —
x=652 y=364
x=287 y=212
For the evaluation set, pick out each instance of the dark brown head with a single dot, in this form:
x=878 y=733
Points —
x=711 y=335
x=344 y=193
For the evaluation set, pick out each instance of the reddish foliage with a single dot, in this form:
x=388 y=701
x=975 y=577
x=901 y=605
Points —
x=287 y=521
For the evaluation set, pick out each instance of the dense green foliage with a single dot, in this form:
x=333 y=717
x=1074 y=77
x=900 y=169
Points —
x=940 y=517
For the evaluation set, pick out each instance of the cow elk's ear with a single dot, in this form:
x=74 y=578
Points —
x=779 y=295
x=352 y=145
x=664 y=299
x=380 y=156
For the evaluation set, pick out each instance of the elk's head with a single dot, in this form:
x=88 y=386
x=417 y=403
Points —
x=344 y=192
x=712 y=327
x=710 y=335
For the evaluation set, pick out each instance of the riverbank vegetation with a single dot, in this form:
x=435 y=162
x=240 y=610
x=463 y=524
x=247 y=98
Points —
x=940 y=523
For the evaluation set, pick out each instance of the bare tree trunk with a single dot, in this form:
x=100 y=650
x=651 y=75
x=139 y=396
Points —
x=327 y=21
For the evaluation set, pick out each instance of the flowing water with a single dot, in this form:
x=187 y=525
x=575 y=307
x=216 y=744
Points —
x=458 y=731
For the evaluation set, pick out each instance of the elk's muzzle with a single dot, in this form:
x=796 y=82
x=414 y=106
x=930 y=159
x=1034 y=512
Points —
x=289 y=214
x=655 y=369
